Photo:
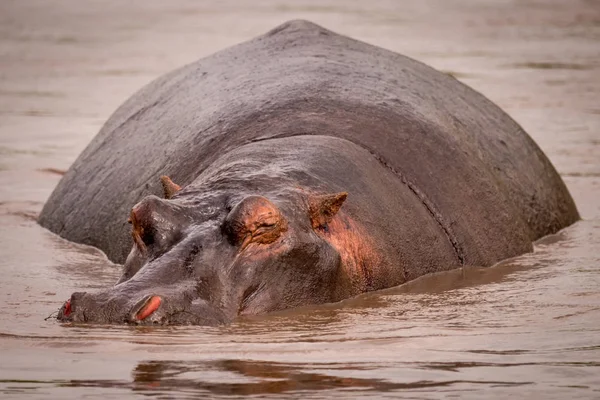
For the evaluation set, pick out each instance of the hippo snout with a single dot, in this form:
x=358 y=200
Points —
x=140 y=308
x=84 y=307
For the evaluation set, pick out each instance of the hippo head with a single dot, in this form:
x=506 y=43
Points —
x=207 y=258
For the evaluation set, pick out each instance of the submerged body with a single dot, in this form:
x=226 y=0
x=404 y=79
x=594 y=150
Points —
x=314 y=167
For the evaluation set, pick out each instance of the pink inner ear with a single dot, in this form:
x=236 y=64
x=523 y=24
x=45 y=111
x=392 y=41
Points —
x=323 y=208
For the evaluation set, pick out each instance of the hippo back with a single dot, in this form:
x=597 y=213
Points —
x=476 y=172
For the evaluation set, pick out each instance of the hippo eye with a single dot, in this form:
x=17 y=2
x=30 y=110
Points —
x=265 y=226
x=266 y=230
x=254 y=220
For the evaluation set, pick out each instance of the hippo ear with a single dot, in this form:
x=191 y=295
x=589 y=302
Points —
x=169 y=187
x=323 y=208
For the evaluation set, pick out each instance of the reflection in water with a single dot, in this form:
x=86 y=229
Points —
x=260 y=378
x=271 y=378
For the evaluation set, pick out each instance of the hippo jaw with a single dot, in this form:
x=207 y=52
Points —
x=250 y=258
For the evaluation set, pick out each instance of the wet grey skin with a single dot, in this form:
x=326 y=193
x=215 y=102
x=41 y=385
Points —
x=309 y=167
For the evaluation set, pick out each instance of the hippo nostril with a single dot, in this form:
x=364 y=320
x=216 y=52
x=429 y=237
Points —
x=66 y=310
x=149 y=306
x=70 y=305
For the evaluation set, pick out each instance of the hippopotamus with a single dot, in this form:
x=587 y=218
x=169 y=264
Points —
x=298 y=168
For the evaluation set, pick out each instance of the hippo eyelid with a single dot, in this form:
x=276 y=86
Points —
x=269 y=221
x=266 y=227
x=268 y=224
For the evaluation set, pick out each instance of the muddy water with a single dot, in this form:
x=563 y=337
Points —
x=529 y=327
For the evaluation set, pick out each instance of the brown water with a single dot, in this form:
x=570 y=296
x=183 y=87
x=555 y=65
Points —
x=529 y=327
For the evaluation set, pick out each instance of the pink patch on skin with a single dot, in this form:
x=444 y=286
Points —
x=150 y=307
x=359 y=255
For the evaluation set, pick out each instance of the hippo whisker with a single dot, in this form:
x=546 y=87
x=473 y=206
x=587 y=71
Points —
x=52 y=315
